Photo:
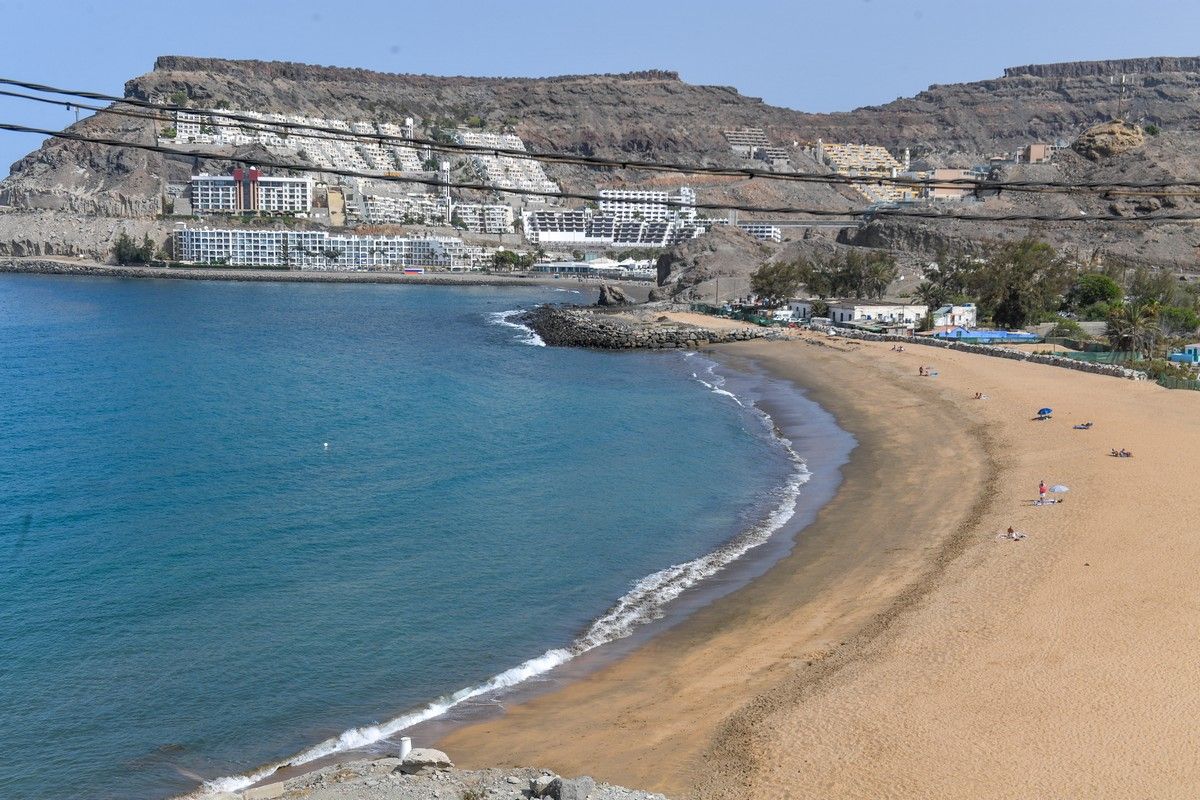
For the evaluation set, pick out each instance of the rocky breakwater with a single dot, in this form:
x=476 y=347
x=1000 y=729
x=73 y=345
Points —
x=563 y=326
x=424 y=774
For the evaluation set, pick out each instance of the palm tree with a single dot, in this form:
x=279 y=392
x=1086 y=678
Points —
x=1134 y=327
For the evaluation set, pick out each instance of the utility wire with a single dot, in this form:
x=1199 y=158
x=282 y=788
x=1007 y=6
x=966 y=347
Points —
x=405 y=179
x=868 y=213
x=598 y=162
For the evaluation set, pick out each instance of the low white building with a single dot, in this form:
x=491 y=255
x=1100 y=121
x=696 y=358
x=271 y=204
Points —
x=320 y=250
x=762 y=231
x=801 y=310
x=950 y=316
x=878 y=311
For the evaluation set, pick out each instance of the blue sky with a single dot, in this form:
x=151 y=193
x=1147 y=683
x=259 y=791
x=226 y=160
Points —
x=813 y=56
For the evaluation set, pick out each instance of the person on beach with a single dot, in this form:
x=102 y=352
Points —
x=1042 y=492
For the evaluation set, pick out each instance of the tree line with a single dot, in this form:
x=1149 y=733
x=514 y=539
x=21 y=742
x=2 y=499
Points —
x=1018 y=283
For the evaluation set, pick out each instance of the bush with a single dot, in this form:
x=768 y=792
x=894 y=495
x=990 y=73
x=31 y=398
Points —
x=1093 y=288
x=1161 y=368
x=1178 y=320
x=1069 y=329
x=178 y=97
x=1152 y=129
x=1096 y=312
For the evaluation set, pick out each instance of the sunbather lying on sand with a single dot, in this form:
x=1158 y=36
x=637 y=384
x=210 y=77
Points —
x=1122 y=453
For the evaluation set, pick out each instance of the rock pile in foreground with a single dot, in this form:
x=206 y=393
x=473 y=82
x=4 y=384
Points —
x=391 y=779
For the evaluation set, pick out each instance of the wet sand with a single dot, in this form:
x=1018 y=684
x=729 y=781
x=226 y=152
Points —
x=902 y=650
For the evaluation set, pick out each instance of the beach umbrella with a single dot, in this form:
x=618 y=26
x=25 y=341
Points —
x=1045 y=412
x=1058 y=487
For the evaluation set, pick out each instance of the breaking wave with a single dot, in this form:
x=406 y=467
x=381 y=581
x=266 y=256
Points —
x=505 y=318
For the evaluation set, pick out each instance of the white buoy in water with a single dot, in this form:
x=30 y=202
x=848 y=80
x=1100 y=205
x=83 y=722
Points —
x=327 y=445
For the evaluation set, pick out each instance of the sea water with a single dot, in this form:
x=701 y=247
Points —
x=247 y=524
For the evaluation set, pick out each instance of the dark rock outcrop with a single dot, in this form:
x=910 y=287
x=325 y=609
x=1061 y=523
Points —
x=613 y=296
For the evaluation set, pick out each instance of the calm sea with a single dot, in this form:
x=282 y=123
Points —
x=244 y=523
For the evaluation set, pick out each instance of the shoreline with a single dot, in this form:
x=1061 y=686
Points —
x=50 y=265
x=798 y=425
x=906 y=648
x=653 y=716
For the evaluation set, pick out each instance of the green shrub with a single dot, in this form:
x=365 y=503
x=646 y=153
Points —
x=1153 y=130
x=1068 y=329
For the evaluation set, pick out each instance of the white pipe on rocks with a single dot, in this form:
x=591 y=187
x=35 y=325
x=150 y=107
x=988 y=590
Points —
x=405 y=747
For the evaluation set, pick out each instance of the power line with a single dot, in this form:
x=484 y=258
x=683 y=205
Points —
x=812 y=212
x=350 y=173
x=979 y=185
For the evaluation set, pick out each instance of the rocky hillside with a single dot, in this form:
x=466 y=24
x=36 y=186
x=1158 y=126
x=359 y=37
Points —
x=654 y=115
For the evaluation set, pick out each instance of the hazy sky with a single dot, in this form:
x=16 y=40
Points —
x=814 y=56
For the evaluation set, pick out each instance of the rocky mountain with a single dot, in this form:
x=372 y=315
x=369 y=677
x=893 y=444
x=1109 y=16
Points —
x=654 y=115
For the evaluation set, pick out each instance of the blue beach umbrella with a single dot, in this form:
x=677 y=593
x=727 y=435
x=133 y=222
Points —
x=1045 y=412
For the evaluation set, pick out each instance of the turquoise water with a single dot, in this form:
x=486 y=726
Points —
x=193 y=585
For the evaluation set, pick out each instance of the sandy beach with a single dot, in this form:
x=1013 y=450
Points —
x=902 y=649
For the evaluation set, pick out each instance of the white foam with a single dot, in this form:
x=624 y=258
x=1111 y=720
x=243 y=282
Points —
x=645 y=602
x=717 y=382
x=529 y=336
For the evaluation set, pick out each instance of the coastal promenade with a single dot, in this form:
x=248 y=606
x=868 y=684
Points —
x=79 y=267
x=903 y=649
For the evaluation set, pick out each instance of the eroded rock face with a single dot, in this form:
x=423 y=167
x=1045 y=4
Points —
x=1108 y=139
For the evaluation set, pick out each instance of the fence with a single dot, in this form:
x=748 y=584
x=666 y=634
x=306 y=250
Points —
x=1179 y=383
x=738 y=314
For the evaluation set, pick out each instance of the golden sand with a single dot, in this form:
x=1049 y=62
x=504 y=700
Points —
x=902 y=650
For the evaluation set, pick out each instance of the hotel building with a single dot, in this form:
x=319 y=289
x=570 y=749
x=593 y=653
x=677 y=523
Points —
x=248 y=191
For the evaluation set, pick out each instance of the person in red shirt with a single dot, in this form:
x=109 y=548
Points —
x=1042 y=492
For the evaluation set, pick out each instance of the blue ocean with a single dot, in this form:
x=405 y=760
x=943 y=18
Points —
x=243 y=524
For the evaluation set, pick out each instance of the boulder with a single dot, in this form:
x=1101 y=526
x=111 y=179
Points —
x=572 y=788
x=540 y=785
x=1108 y=139
x=612 y=296
x=420 y=758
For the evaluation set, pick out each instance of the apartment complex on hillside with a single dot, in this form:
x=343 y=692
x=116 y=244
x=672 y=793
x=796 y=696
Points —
x=505 y=171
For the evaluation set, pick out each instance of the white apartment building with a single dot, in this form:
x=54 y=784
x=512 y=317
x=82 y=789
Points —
x=481 y=218
x=214 y=194
x=649 y=205
x=319 y=250
x=950 y=316
x=762 y=231
x=412 y=209
x=249 y=191
x=582 y=227
x=505 y=171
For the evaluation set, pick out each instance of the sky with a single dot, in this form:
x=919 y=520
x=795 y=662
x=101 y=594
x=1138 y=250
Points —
x=811 y=56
